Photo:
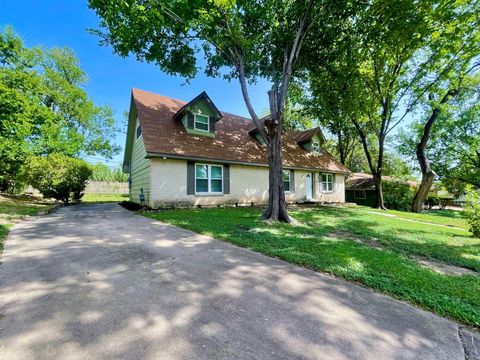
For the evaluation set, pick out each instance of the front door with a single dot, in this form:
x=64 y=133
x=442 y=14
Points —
x=308 y=187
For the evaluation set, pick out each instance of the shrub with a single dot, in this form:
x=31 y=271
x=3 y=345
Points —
x=397 y=194
x=472 y=211
x=431 y=201
x=57 y=176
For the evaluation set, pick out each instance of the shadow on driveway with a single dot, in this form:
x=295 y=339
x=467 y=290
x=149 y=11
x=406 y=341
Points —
x=96 y=281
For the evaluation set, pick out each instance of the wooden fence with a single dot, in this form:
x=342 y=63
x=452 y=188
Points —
x=106 y=187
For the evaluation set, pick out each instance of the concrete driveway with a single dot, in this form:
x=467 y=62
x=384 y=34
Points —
x=98 y=282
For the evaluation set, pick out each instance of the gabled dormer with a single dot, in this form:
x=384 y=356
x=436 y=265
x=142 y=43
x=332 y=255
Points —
x=256 y=134
x=199 y=116
x=311 y=140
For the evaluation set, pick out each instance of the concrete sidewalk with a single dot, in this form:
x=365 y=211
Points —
x=98 y=282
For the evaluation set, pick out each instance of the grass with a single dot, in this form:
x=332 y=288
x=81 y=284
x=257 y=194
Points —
x=102 y=198
x=14 y=208
x=390 y=270
x=453 y=218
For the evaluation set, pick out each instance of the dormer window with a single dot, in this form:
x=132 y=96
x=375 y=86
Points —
x=201 y=122
x=139 y=131
x=199 y=116
x=310 y=139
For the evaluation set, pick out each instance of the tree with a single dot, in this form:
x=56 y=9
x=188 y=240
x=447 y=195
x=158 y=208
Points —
x=455 y=145
x=44 y=108
x=455 y=64
x=472 y=211
x=101 y=172
x=57 y=176
x=379 y=79
x=243 y=40
x=453 y=141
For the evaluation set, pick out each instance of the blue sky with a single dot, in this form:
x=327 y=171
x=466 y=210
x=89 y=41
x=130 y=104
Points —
x=64 y=23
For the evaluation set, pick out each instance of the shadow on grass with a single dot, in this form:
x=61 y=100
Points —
x=113 y=285
x=387 y=270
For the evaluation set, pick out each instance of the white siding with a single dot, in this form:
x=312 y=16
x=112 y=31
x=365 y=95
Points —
x=247 y=184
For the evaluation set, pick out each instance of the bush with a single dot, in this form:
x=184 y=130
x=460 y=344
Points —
x=472 y=211
x=397 y=194
x=57 y=176
x=431 y=201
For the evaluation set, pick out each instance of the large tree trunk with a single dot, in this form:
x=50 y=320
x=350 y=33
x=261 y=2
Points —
x=376 y=171
x=377 y=179
x=428 y=175
x=277 y=208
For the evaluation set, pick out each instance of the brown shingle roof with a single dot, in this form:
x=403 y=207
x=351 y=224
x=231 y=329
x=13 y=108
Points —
x=165 y=136
x=303 y=136
x=362 y=181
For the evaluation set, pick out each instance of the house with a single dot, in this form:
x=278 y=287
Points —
x=193 y=153
x=360 y=188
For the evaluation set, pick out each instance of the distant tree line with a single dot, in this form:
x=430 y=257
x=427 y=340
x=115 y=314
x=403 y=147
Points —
x=102 y=172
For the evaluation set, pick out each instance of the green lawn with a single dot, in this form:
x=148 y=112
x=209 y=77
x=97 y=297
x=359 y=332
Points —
x=13 y=208
x=324 y=242
x=445 y=217
x=99 y=198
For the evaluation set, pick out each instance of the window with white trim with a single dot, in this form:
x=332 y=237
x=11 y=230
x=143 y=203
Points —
x=208 y=179
x=201 y=122
x=327 y=183
x=286 y=180
x=315 y=147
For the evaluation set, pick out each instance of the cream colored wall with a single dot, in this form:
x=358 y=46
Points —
x=140 y=171
x=247 y=184
x=338 y=194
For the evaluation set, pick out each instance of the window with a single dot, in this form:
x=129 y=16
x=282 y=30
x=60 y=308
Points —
x=286 y=180
x=201 y=122
x=139 y=131
x=327 y=183
x=315 y=147
x=208 y=179
x=360 y=194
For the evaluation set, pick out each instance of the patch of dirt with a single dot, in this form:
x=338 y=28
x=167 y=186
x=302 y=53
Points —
x=436 y=266
x=416 y=221
x=345 y=235
x=443 y=268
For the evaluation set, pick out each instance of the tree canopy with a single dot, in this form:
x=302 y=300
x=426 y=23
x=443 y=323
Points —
x=243 y=40
x=44 y=107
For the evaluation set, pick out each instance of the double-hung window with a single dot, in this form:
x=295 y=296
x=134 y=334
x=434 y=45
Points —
x=201 y=122
x=287 y=180
x=315 y=147
x=327 y=183
x=208 y=179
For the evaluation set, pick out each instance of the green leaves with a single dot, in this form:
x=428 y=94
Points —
x=44 y=108
x=472 y=211
x=57 y=176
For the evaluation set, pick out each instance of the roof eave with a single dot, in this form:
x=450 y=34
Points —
x=151 y=154
x=203 y=95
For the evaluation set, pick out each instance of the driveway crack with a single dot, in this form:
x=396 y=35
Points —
x=468 y=342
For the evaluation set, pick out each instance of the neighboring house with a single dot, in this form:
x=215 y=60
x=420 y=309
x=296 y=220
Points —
x=360 y=188
x=190 y=152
